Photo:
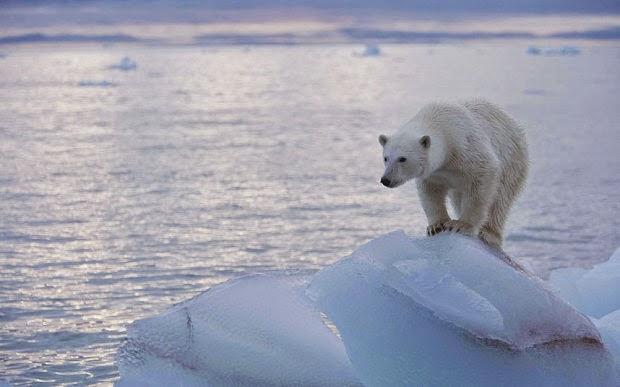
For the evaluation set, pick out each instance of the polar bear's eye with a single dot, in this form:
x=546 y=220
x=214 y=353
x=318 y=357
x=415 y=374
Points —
x=402 y=159
x=385 y=159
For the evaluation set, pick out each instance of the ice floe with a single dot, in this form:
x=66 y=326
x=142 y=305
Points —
x=91 y=83
x=554 y=51
x=596 y=291
x=437 y=311
x=255 y=330
x=370 y=50
x=126 y=64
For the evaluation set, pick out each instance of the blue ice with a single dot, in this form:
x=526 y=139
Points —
x=126 y=64
x=370 y=50
x=91 y=83
x=434 y=311
x=554 y=51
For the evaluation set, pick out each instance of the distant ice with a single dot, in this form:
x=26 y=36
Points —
x=370 y=50
x=553 y=51
x=534 y=92
x=90 y=83
x=398 y=311
x=126 y=64
x=532 y=50
x=2 y=55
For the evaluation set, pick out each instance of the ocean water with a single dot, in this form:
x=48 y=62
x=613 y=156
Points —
x=123 y=192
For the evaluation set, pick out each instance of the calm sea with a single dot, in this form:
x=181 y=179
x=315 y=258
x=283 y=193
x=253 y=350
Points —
x=123 y=192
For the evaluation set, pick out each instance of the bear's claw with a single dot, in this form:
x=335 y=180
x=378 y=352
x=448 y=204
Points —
x=458 y=226
x=435 y=228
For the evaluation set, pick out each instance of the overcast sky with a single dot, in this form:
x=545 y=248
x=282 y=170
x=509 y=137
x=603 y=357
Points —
x=101 y=11
x=193 y=18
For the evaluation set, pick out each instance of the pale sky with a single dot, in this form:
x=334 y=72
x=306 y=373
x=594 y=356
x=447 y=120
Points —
x=307 y=20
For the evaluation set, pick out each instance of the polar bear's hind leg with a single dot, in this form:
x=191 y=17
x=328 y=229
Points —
x=512 y=182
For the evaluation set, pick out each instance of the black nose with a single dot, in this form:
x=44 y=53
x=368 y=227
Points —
x=385 y=181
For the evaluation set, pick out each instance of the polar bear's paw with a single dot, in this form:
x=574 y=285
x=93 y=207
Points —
x=458 y=226
x=490 y=237
x=436 y=228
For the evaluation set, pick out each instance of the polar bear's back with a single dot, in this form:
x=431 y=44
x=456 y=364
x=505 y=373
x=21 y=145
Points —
x=506 y=136
x=503 y=131
x=473 y=127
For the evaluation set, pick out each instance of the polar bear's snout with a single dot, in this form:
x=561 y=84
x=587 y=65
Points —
x=386 y=182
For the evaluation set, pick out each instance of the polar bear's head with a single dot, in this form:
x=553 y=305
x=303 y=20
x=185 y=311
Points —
x=406 y=157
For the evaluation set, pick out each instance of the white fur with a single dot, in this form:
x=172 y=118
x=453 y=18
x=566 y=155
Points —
x=477 y=157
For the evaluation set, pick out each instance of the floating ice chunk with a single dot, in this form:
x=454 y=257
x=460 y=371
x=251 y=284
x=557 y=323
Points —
x=398 y=311
x=554 y=51
x=566 y=50
x=257 y=330
x=462 y=282
x=534 y=92
x=595 y=292
x=89 y=83
x=447 y=311
x=532 y=50
x=609 y=326
x=370 y=50
x=125 y=64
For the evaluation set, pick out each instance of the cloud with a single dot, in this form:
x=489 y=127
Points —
x=342 y=35
x=611 y=33
x=397 y=36
x=44 y=38
x=365 y=35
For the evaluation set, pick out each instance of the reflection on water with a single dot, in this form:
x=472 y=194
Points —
x=119 y=199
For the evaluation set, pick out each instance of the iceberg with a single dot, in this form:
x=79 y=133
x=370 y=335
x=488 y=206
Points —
x=595 y=292
x=533 y=50
x=553 y=51
x=255 y=330
x=91 y=83
x=126 y=64
x=609 y=327
x=445 y=310
x=370 y=50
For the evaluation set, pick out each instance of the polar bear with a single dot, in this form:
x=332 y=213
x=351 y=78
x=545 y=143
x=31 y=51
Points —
x=473 y=153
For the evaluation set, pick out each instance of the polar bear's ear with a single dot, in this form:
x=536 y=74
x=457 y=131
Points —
x=383 y=139
x=425 y=141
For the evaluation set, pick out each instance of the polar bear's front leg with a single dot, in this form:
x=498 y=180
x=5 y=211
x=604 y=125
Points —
x=476 y=202
x=433 y=198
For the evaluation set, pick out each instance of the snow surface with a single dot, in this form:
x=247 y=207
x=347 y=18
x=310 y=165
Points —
x=442 y=311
